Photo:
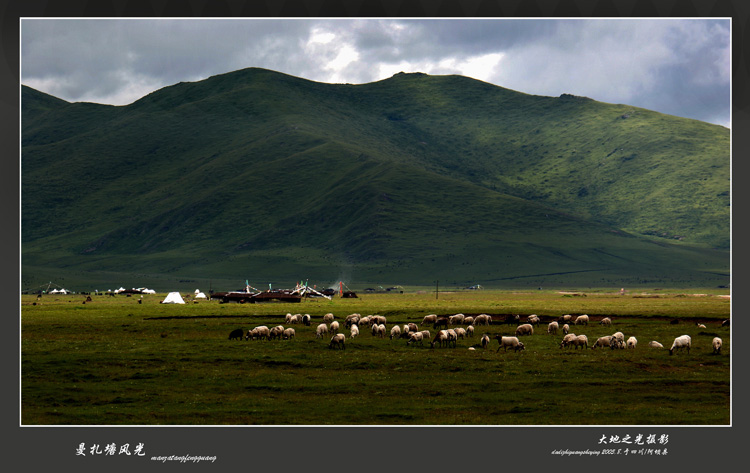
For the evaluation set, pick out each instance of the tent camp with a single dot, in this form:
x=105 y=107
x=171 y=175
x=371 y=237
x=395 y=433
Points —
x=173 y=298
x=200 y=295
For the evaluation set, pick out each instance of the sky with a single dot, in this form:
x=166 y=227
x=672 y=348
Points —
x=677 y=66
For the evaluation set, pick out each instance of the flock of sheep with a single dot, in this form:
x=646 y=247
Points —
x=454 y=329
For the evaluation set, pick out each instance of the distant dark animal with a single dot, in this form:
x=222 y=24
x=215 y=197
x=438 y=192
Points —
x=512 y=319
x=236 y=334
x=441 y=322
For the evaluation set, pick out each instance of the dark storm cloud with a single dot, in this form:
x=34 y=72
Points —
x=679 y=66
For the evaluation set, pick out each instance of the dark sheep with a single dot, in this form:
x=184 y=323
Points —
x=441 y=322
x=236 y=334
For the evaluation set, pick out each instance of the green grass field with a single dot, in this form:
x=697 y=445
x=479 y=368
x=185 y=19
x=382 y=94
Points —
x=113 y=361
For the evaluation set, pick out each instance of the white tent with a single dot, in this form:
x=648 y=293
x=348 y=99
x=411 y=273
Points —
x=200 y=295
x=173 y=298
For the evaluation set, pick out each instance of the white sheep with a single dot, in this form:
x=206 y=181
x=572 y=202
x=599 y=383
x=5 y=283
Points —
x=700 y=325
x=460 y=332
x=616 y=343
x=509 y=342
x=334 y=328
x=288 y=334
x=306 y=319
x=552 y=328
x=655 y=344
x=470 y=331
x=414 y=337
x=680 y=343
x=378 y=319
x=322 y=329
x=452 y=337
x=328 y=318
x=468 y=320
x=602 y=341
x=716 y=343
x=288 y=318
x=429 y=319
x=482 y=319
x=525 y=329
x=533 y=319
x=580 y=341
x=354 y=330
x=276 y=332
x=351 y=319
x=565 y=329
x=381 y=330
x=395 y=332
x=606 y=321
x=581 y=320
x=564 y=319
x=365 y=321
x=619 y=335
x=338 y=341
x=456 y=319
x=441 y=338
x=425 y=334
x=412 y=327
x=567 y=339
x=632 y=342
x=485 y=341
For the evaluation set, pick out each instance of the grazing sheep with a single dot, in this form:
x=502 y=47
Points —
x=378 y=319
x=680 y=343
x=525 y=329
x=306 y=319
x=338 y=341
x=440 y=322
x=259 y=332
x=322 y=329
x=655 y=344
x=617 y=343
x=334 y=328
x=381 y=330
x=716 y=344
x=395 y=332
x=509 y=342
x=354 y=330
x=236 y=334
x=276 y=332
x=456 y=319
x=414 y=337
x=288 y=334
x=580 y=341
x=365 y=321
x=602 y=342
x=351 y=319
x=533 y=319
x=425 y=334
x=412 y=327
x=581 y=320
x=328 y=318
x=460 y=332
x=482 y=319
x=564 y=319
x=565 y=329
x=567 y=340
x=552 y=328
x=468 y=320
x=632 y=342
x=452 y=337
x=606 y=321
x=619 y=335
x=429 y=319
x=470 y=331
x=441 y=338
x=485 y=341
x=288 y=318
x=700 y=325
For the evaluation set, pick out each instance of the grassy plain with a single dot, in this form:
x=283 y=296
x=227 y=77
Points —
x=113 y=361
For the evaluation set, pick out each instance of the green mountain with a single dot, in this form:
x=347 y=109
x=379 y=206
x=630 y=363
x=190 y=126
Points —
x=263 y=176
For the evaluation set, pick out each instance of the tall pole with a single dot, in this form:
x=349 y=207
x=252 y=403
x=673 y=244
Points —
x=436 y=289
